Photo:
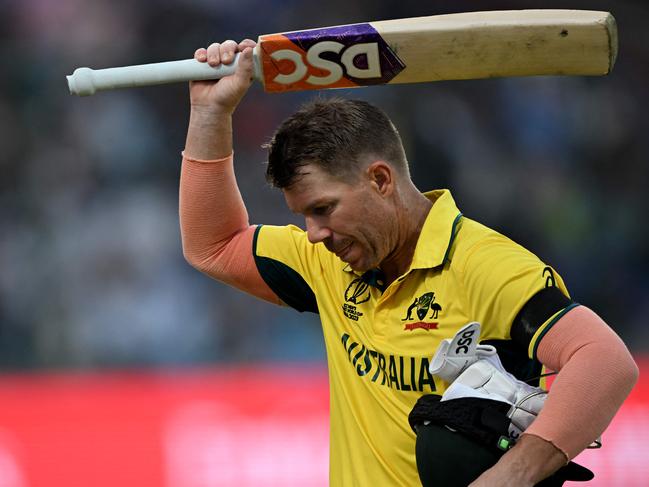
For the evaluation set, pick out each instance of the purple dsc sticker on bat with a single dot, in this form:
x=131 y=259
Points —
x=358 y=50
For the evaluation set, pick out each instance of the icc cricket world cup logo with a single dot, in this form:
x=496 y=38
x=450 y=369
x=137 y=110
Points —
x=357 y=292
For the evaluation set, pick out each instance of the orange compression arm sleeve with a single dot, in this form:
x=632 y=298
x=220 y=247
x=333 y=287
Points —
x=596 y=374
x=216 y=236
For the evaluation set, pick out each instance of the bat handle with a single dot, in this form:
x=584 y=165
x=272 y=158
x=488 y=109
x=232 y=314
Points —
x=86 y=81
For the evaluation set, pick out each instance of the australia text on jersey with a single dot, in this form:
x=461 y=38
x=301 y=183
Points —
x=394 y=371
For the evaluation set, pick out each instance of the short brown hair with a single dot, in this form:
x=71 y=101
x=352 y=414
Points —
x=333 y=133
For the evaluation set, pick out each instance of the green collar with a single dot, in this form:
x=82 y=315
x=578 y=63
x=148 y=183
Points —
x=438 y=232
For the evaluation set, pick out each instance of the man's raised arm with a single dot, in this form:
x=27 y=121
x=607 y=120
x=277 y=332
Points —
x=216 y=235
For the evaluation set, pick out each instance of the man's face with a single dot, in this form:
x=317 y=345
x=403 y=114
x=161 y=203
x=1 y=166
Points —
x=351 y=219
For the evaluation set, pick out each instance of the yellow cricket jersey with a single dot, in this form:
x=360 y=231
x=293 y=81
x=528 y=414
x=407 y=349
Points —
x=380 y=340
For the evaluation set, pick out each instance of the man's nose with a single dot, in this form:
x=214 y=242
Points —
x=315 y=231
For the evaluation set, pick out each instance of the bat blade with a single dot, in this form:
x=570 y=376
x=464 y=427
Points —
x=507 y=43
x=470 y=45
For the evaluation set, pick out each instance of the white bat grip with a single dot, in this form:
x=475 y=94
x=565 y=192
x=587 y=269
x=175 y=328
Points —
x=86 y=81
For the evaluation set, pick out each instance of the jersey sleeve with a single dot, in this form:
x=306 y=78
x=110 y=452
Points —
x=512 y=293
x=289 y=264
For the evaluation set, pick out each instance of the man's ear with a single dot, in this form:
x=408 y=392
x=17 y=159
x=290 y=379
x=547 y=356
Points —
x=381 y=177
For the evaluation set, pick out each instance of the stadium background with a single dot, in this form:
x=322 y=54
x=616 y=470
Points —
x=119 y=364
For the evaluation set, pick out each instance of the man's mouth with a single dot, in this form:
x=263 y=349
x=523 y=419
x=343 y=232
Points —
x=341 y=253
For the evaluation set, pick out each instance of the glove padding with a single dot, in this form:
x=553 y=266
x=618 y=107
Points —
x=476 y=371
x=455 y=354
x=487 y=379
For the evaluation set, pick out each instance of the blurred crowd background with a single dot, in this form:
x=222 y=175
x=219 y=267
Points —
x=91 y=267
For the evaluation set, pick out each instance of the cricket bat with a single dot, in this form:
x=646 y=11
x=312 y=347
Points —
x=471 y=45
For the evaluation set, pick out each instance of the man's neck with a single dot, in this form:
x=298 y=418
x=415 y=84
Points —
x=411 y=217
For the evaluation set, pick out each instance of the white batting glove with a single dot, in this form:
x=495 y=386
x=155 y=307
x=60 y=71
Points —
x=476 y=371
x=455 y=354
x=487 y=379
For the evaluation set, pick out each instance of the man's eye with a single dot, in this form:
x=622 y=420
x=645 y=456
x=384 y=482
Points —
x=322 y=210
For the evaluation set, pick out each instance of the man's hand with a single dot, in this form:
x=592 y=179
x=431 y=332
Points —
x=531 y=460
x=209 y=135
x=225 y=94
